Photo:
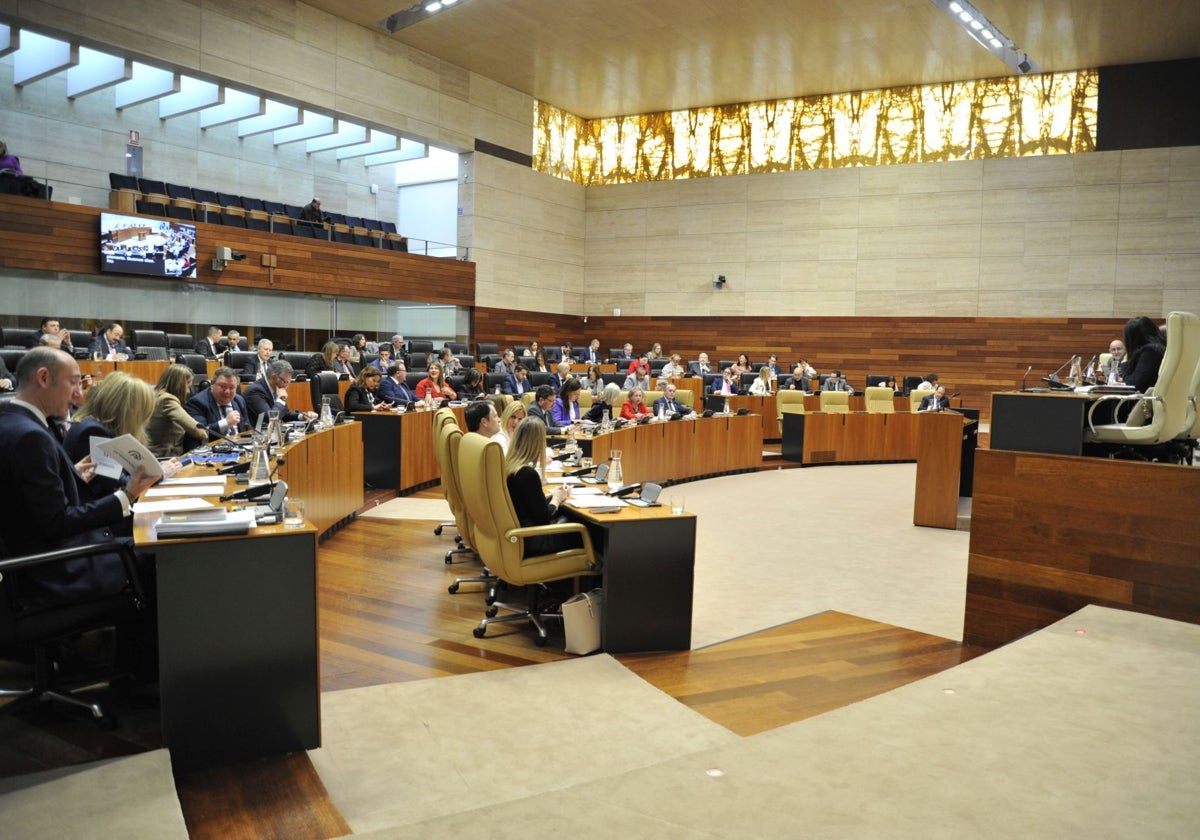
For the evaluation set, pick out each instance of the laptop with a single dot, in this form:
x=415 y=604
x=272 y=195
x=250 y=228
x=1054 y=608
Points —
x=648 y=497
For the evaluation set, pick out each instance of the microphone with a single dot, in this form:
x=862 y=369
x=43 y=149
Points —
x=1026 y=376
x=214 y=433
x=955 y=394
x=257 y=490
x=584 y=470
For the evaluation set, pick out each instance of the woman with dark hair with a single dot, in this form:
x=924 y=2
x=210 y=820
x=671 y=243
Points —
x=594 y=381
x=566 y=409
x=170 y=427
x=362 y=396
x=358 y=348
x=471 y=387
x=539 y=363
x=1145 y=348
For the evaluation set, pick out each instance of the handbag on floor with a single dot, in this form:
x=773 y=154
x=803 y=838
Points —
x=582 y=615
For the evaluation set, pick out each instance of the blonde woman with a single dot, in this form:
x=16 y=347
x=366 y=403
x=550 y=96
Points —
x=120 y=405
x=761 y=387
x=608 y=406
x=435 y=385
x=524 y=466
x=171 y=430
x=510 y=418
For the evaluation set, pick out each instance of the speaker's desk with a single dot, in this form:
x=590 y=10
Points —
x=1050 y=422
x=399 y=448
x=682 y=450
x=649 y=559
x=819 y=438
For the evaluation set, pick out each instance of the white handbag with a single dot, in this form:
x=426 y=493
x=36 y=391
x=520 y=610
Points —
x=582 y=616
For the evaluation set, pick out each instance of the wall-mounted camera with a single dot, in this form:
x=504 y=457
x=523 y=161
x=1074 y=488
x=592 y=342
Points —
x=224 y=256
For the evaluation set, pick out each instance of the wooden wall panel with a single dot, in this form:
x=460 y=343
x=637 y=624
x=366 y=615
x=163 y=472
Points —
x=1051 y=534
x=50 y=236
x=974 y=356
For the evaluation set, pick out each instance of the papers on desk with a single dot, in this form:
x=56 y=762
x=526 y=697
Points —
x=572 y=480
x=209 y=489
x=1106 y=389
x=596 y=504
x=180 y=482
x=205 y=523
x=112 y=455
x=164 y=505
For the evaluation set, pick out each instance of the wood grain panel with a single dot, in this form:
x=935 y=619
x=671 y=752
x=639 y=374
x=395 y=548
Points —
x=1051 y=534
x=51 y=236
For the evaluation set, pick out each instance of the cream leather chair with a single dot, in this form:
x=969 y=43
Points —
x=789 y=402
x=880 y=400
x=446 y=441
x=1162 y=416
x=835 y=402
x=685 y=397
x=915 y=397
x=500 y=540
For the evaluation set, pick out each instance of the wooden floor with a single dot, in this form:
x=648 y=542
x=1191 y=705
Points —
x=385 y=616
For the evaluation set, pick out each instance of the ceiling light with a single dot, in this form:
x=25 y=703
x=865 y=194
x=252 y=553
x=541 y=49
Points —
x=434 y=7
x=976 y=24
x=954 y=7
x=414 y=14
x=965 y=16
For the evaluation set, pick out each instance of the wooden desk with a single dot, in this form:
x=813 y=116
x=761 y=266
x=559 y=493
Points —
x=684 y=449
x=145 y=370
x=819 y=438
x=401 y=449
x=1039 y=422
x=939 y=467
x=649 y=559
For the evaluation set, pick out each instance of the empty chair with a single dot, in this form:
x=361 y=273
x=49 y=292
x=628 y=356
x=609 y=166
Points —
x=486 y=348
x=373 y=224
x=154 y=190
x=238 y=359
x=418 y=361
x=422 y=345
x=151 y=208
x=208 y=205
x=354 y=221
x=117 y=181
x=293 y=212
x=253 y=204
x=911 y=383
x=877 y=379
x=257 y=224
x=125 y=192
x=231 y=220
x=345 y=237
x=231 y=203
x=276 y=208
x=387 y=227
x=363 y=240
x=458 y=348
x=281 y=227
x=142 y=340
x=338 y=219
x=183 y=213
x=466 y=361
x=303 y=230
x=17 y=337
x=835 y=402
x=180 y=342
x=181 y=196
x=325 y=384
x=880 y=400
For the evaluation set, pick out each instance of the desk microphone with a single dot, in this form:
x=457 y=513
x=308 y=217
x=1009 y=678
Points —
x=257 y=490
x=213 y=433
x=955 y=394
x=1026 y=376
x=584 y=470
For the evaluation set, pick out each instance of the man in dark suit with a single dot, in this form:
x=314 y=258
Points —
x=700 y=366
x=210 y=347
x=7 y=380
x=668 y=406
x=393 y=388
x=837 y=382
x=61 y=337
x=342 y=365
x=726 y=385
x=270 y=394
x=626 y=355
x=936 y=400
x=256 y=368
x=543 y=401
x=560 y=376
x=591 y=354
x=517 y=383
x=110 y=344
x=45 y=501
x=219 y=408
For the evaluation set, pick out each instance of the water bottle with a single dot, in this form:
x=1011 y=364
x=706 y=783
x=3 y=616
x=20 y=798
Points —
x=326 y=418
x=616 y=476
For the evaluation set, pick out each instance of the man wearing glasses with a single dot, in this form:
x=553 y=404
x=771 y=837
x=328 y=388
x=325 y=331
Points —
x=270 y=394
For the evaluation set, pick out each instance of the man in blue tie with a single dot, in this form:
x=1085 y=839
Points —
x=393 y=388
x=668 y=406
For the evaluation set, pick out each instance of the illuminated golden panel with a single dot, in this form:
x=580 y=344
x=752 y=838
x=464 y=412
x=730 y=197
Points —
x=1052 y=113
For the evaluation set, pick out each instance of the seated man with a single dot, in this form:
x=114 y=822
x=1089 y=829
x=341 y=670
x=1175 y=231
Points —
x=936 y=400
x=481 y=418
x=270 y=394
x=773 y=366
x=562 y=373
x=393 y=388
x=673 y=368
x=233 y=341
x=626 y=354
x=668 y=406
x=726 y=385
x=507 y=364
x=700 y=366
x=210 y=346
x=800 y=380
x=45 y=500
x=518 y=383
x=110 y=344
x=7 y=380
x=542 y=405
x=312 y=213
x=639 y=377
x=58 y=336
x=836 y=382
x=220 y=408
x=591 y=354
x=256 y=368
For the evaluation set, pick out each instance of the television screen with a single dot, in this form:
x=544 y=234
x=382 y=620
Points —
x=155 y=247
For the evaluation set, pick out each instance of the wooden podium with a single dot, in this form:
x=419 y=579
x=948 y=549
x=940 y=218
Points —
x=939 y=467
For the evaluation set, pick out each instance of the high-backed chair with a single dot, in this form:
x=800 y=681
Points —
x=914 y=398
x=151 y=343
x=420 y=345
x=30 y=631
x=418 y=361
x=443 y=420
x=835 y=402
x=238 y=359
x=17 y=337
x=180 y=343
x=458 y=348
x=786 y=402
x=325 y=384
x=1161 y=417
x=880 y=400
x=487 y=348
x=447 y=439
x=500 y=539
x=877 y=379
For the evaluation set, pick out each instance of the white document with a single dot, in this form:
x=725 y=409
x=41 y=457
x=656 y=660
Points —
x=171 y=505
x=199 y=479
x=112 y=455
x=185 y=490
x=589 y=502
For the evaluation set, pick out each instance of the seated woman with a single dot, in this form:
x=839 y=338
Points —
x=594 y=381
x=673 y=369
x=358 y=348
x=607 y=406
x=565 y=411
x=635 y=407
x=656 y=351
x=742 y=365
x=435 y=385
x=171 y=430
x=472 y=385
x=531 y=351
x=761 y=387
x=362 y=396
x=513 y=414
x=322 y=361
x=525 y=464
x=1145 y=348
x=539 y=363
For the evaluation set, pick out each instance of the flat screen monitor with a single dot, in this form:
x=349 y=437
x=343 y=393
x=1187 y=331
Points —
x=153 y=247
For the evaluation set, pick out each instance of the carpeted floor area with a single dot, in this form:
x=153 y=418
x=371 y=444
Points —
x=406 y=752
x=1085 y=729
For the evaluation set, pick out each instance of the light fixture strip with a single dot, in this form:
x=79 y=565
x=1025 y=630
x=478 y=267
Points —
x=976 y=24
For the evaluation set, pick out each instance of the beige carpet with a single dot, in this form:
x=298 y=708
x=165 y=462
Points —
x=434 y=510
x=1059 y=735
x=410 y=751
x=772 y=547
x=123 y=798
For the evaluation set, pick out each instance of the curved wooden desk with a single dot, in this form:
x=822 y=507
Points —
x=683 y=450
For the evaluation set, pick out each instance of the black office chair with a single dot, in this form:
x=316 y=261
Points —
x=181 y=343
x=151 y=208
x=418 y=361
x=325 y=384
x=874 y=379
x=420 y=345
x=35 y=634
x=199 y=367
x=486 y=348
x=458 y=348
x=149 y=344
